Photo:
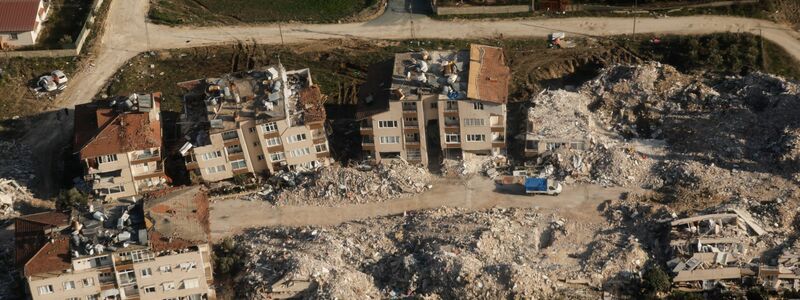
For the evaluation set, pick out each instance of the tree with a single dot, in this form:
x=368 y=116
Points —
x=655 y=280
x=678 y=295
x=65 y=41
x=227 y=258
x=71 y=198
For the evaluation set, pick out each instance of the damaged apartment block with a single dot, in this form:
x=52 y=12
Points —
x=157 y=248
x=726 y=248
x=439 y=102
x=119 y=143
x=253 y=122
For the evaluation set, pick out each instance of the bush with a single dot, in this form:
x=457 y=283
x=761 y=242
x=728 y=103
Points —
x=757 y=293
x=678 y=295
x=70 y=199
x=227 y=258
x=655 y=280
x=65 y=41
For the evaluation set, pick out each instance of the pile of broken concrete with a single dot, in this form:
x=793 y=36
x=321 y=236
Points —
x=336 y=185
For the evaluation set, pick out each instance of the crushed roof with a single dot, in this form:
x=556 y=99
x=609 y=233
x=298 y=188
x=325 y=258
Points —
x=102 y=130
x=52 y=257
x=18 y=15
x=178 y=218
x=311 y=101
x=489 y=75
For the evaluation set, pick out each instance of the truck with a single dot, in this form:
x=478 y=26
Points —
x=532 y=185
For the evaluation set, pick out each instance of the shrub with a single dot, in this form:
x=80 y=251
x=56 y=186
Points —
x=71 y=198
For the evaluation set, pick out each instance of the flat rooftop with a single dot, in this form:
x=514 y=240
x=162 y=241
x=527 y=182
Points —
x=264 y=95
x=435 y=72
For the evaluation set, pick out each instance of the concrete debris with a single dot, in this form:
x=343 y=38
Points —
x=437 y=254
x=474 y=165
x=625 y=126
x=11 y=194
x=336 y=185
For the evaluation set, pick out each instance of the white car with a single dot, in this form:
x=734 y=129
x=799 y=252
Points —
x=59 y=77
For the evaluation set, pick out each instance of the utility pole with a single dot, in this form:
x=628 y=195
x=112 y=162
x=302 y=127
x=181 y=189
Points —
x=280 y=29
x=635 y=4
x=411 y=17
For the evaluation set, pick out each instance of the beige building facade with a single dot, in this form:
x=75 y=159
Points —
x=119 y=144
x=449 y=104
x=166 y=255
x=260 y=122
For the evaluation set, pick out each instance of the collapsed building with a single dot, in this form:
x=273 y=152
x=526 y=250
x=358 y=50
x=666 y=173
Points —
x=119 y=144
x=556 y=120
x=434 y=104
x=153 y=249
x=253 y=122
x=723 y=248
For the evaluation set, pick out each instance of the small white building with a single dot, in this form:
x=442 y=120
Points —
x=21 y=21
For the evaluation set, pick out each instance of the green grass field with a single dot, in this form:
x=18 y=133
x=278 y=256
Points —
x=216 y=12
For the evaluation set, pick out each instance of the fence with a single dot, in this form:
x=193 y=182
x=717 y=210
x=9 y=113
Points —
x=74 y=50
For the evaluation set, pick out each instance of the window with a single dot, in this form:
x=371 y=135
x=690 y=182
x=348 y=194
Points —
x=165 y=269
x=88 y=282
x=233 y=149
x=273 y=141
x=451 y=138
x=321 y=147
x=260 y=157
x=474 y=122
x=414 y=154
x=106 y=158
x=73 y=298
x=238 y=164
x=296 y=138
x=147 y=272
x=299 y=152
x=256 y=143
x=14 y=36
x=270 y=127
x=452 y=105
x=212 y=155
x=111 y=190
x=191 y=283
x=412 y=138
x=434 y=105
x=390 y=139
x=93 y=297
x=69 y=285
x=127 y=276
x=230 y=135
x=168 y=286
x=278 y=156
x=217 y=169
x=46 y=289
x=251 y=129
x=149 y=289
x=477 y=106
x=476 y=138
x=387 y=124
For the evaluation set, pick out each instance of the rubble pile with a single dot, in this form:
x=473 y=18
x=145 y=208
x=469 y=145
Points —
x=12 y=193
x=436 y=254
x=336 y=185
x=16 y=162
x=634 y=118
x=480 y=165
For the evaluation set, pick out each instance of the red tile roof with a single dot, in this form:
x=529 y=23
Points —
x=18 y=15
x=29 y=233
x=102 y=131
x=52 y=258
x=489 y=75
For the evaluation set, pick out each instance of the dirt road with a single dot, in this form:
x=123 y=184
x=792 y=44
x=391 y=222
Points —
x=229 y=217
x=126 y=33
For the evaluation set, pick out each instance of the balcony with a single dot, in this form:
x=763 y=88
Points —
x=146 y=157
x=411 y=124
x=157 y=172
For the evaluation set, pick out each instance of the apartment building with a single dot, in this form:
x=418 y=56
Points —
x=259 y=121
x=119 y=144
x=449 y=104
x=153 y=250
